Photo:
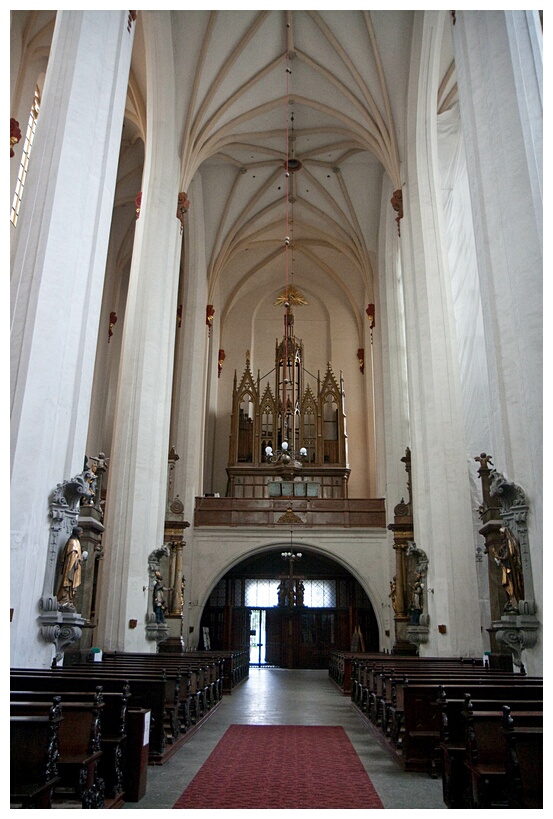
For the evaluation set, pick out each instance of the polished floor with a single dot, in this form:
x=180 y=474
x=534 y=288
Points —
x=273 y=696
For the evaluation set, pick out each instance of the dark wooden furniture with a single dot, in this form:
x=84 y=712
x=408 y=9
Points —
x=34 y=754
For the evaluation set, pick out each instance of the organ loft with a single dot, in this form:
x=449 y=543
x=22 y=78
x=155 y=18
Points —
x=288 y=440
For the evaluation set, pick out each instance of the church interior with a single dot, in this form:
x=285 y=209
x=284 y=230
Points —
x=276 y=368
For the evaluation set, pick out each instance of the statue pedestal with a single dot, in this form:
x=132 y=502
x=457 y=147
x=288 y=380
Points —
x=403 y=643
x=518 y=631
x=173 y=645
x=61 y=628
x=405 y=647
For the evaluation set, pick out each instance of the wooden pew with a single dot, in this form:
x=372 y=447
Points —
x=79 y=747
x=155 y=690
x=234 y=665
x=343 y=665
x=113 y=732
x=415 y=735
x=34 y=754
x=453 y=740
x=147 y=691
x=399 y=698
x=391 y=701
x=421 y=714
x=407 y=690
x=371 y=676
x=524 y=766
x=199 y=686
x=203 y=679
x=487 y=753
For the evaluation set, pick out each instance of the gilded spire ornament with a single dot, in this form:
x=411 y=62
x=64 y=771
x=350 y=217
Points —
x=291 y=295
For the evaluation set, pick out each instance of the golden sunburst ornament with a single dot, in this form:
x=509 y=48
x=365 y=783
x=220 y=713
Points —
x=292 y=296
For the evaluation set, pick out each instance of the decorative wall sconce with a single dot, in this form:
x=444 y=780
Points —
x=361 y=358
x=220 y=359
x=182 y=209
x=209 y=313
x=442 y=629
x=15 y=134
x=138 y=203
x=370 y=313
x=179 y=315
x=397 y=204
x=133 y=623
x=112 y=323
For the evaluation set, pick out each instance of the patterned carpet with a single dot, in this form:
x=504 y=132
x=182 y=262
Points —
x=284 y=767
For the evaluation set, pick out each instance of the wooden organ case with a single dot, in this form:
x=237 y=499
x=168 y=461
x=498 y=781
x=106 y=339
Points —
x=289 y=440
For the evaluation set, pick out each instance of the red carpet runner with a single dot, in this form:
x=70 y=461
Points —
x=281 y=766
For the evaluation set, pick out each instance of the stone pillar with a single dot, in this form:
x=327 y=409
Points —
x=393 y=414
x=59 y=255
x=391 y=401
x=499 y=62
x=137 y=485
x=190 y=384
x=442 y=513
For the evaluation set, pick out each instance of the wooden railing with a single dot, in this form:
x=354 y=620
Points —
x=346 y=512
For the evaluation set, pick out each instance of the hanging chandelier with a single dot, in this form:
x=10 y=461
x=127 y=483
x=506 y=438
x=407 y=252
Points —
x=290 y=354
x=285 y=455
x=291 y=588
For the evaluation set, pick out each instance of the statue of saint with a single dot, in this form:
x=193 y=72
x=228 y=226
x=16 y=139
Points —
x=416 y=602
x=159 y=600
x=73 y=559
x=507 y=557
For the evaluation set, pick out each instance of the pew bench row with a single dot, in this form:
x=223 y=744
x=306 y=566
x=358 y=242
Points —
x=105 y=698
x=421 y=711
x=55 y=751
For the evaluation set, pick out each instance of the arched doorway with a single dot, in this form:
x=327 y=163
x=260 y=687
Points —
x=257 y=604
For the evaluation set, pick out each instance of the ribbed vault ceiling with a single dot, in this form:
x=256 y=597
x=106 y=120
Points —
x=330 y=88
x=327 y=87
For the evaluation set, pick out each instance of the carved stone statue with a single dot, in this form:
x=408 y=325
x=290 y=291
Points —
x=70 y=580
x=507 y=556
x=416 y=601
x=159 y=600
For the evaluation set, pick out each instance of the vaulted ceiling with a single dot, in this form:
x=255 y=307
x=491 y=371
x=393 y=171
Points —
x=327 y=87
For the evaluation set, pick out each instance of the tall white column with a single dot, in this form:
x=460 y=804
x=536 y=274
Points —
x=137 y=485
x=190 y=391
x=189 y=403
x=499 y=64
x=441 y=494
x=390 y=331
x=59 y=256
x=393 y=410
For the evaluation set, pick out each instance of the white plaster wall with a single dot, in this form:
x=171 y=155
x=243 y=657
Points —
x=500 y=66
x=58 y=268
x=137 y=478
x=441 y=492
x=215 y=550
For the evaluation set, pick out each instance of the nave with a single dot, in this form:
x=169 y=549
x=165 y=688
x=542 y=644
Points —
x=273 y=696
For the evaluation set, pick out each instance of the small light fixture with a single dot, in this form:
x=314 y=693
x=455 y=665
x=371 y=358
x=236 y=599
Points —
x=285 y=455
